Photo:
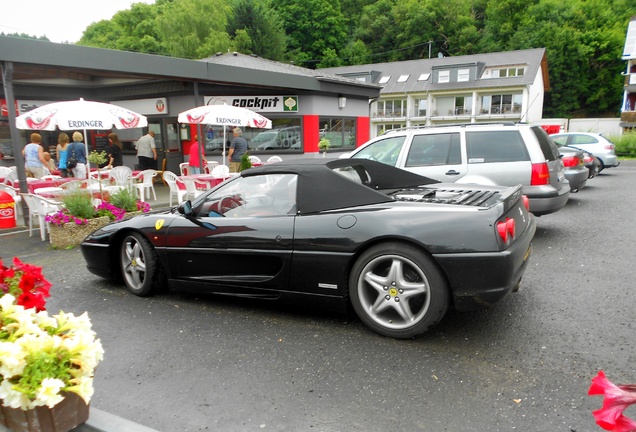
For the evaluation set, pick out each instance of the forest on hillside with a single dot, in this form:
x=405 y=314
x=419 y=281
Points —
x=584 y=39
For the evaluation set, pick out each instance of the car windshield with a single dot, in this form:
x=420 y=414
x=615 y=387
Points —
x=385 y=150
x=254 y=196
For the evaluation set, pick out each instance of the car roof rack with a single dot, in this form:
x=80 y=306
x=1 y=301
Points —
x=415 y=127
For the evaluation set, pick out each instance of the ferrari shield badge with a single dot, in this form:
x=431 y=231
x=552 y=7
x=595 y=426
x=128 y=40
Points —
x=159 y=224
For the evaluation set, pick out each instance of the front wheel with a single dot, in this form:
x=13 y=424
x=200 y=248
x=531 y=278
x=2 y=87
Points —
x=140 y=266
x=397 y=290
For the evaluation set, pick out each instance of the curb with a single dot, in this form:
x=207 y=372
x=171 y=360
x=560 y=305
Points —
x=101 y=421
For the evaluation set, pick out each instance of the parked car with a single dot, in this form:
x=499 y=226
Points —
x=400 y=248
x=574 y=167
x=591 y=162
x=594 y=143
x=502 y=153
x=277 y=139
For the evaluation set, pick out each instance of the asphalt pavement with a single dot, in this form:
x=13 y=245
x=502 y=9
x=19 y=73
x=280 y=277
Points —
x=192 y=362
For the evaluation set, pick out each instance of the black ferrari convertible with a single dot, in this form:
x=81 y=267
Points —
x=400 y=248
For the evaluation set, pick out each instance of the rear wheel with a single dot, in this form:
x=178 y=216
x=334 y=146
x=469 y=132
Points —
x=397 y=290
x=140 y=266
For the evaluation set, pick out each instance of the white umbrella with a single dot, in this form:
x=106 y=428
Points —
x=224 y=115
x=80 y=114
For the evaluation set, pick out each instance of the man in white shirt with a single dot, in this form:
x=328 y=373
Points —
x=147 y=151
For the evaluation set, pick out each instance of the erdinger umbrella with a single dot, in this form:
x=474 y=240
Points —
x=224 y=115
x=80 y=115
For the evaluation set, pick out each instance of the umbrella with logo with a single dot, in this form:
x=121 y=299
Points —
x=224 y=115
x=80 y=115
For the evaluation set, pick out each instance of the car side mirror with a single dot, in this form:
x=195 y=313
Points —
x=185 y=208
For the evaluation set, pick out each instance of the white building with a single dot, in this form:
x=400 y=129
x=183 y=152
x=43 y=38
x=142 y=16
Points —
x=503 y=86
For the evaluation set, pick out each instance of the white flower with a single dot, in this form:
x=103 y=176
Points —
x=11 y=359
x=13 y=398
x=49 y=392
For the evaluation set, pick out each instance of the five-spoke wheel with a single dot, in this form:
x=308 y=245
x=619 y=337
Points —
x=140 y=266
x=397 y=290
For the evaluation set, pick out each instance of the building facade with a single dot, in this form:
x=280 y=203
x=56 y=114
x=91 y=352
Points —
x=628 y=111
x=503 y=86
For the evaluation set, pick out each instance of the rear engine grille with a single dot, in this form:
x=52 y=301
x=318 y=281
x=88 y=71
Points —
x=445 y=196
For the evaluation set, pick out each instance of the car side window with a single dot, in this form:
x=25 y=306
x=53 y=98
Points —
x=560 y=140
x=254 y=196
x=385 y=150
x=495 y=146
x=583 y=139
x=434 y=149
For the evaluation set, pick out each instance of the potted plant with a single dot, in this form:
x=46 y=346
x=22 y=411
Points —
x=246 y=163
x=47 y=362
x=324 y=145
x=98 y=159
x=80 y=217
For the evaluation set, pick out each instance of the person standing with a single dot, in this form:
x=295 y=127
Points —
x=115 y=155
x=147 y=151
x=194 y=161
x=33 y=153
x=76 y=149
x=238 y=147
x=62 y=153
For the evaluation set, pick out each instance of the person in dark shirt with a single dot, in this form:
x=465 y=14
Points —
x=115 y=155
x=238 y=147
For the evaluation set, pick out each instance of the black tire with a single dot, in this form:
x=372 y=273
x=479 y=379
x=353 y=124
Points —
x=140 y=268
x=397 y=290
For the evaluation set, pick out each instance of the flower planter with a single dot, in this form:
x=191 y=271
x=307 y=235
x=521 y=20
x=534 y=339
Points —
x=71 y=412
x=70 y=234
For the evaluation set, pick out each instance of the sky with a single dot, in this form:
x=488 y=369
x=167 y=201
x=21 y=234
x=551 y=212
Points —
x=59 y=20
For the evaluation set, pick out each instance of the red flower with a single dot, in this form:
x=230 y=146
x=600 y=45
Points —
x=616 y=398
x=26 y=283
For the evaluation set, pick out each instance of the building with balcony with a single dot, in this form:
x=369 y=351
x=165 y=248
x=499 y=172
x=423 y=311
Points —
x=503 y=86
x=628 y=111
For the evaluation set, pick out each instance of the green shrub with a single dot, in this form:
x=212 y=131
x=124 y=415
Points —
x=124 y=199
x=245 y=162
x=625 y=144
x=80 y=204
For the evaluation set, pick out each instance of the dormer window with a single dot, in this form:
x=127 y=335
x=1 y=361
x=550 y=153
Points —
x=463 y=75
x=444 y=76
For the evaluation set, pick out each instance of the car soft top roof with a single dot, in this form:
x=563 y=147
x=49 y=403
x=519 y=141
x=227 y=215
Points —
x=320 y=188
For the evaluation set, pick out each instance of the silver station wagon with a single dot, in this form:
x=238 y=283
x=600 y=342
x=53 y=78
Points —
x=483 y=153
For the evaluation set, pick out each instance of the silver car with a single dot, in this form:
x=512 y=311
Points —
x=493 y=154
x=594 y=143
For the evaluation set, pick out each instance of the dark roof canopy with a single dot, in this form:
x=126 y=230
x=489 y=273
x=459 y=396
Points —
x=322 y=188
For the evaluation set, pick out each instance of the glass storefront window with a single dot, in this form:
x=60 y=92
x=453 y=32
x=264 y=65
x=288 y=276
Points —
x=340 y=132
x=285 y=135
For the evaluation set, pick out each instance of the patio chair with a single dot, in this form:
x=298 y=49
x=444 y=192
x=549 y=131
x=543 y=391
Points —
x=221 y=171
x=254 y=159
x=39 y=207
x=122 y=176
x=274 y=159
x=147 y=184
x=184 y=168
x=4 y=171
x=172 y=180
x=209 y=166
x=191 y=188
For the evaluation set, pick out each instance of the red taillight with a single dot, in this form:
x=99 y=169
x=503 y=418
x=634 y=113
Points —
x=506 y=228
x=609 y=147
x=540 y=174
x=588 y=159
x=526 y=201
x=571 y=161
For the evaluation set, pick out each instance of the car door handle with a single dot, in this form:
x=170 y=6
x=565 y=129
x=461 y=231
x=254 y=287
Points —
x=452 y=172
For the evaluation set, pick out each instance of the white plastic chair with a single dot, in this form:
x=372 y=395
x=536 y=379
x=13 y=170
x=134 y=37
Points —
x=172 y=181
x=4 y=171
x=184 y=168
x=122 y=176
x=147 y=184
x=254 y=159
x=209 y=166
x=11 y=179
x=221 y=171
x=274 y=159
x=39 y=207
x=191 y=187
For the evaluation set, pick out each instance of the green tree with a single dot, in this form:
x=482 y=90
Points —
x=262 y=28
x=312 y=27
x=378 y=30
x=194 y=28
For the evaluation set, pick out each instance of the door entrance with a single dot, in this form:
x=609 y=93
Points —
x=168 y=143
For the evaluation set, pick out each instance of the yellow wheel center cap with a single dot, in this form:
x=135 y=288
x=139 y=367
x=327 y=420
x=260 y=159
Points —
x=133 y=263
x=393 y=292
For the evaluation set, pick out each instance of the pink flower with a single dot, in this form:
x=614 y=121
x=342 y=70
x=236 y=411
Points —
x=616 y=399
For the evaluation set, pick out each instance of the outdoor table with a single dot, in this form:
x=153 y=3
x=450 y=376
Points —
x=48 y=192
x=34 y=184
x=208 y=179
